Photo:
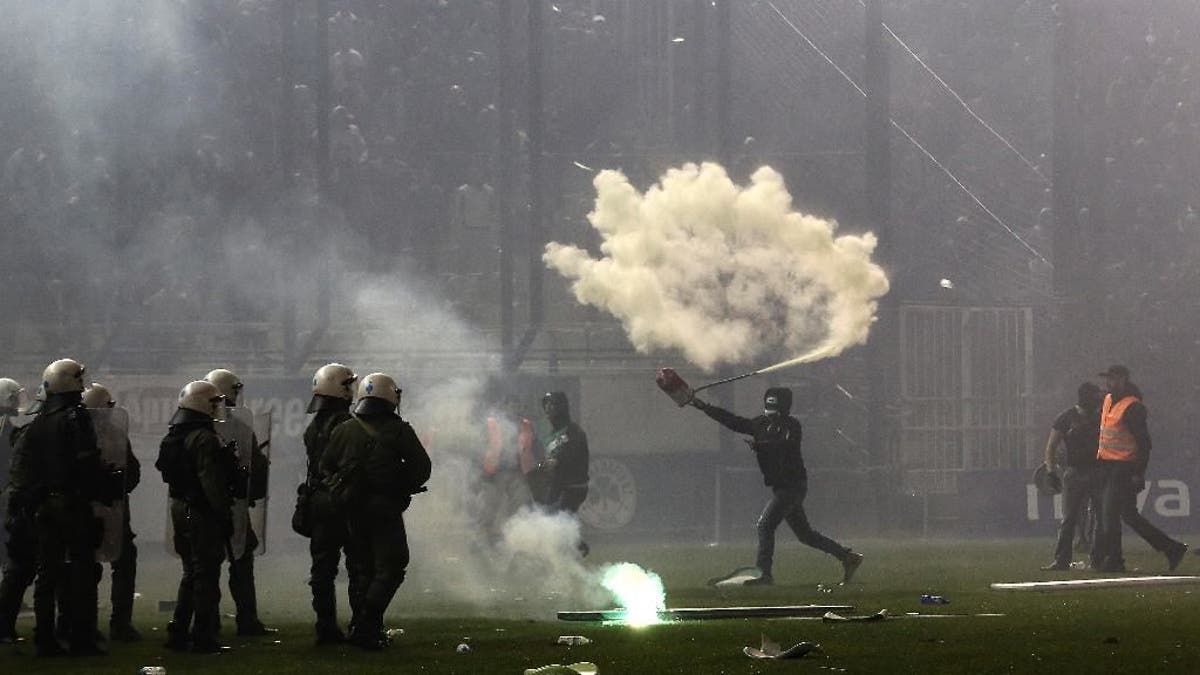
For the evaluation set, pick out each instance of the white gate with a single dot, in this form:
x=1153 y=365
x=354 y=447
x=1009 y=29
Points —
x=966 y=383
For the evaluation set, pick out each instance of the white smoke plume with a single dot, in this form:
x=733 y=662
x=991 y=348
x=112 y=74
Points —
x=723 y=272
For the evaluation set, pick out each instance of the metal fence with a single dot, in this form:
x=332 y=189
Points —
x=966 y=390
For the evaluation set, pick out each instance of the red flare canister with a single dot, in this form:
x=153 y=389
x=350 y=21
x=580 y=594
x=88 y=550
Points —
x=670 y=382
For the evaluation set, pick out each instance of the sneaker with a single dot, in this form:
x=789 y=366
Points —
x=764 y=580
x=1056 y=567
x=850 y=565
x=1175 y=556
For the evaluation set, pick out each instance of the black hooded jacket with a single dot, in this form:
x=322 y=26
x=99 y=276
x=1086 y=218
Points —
x=775 y=441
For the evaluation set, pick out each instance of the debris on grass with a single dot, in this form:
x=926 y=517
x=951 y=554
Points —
x=771 y=650
x=581 y=668
x=833 y=617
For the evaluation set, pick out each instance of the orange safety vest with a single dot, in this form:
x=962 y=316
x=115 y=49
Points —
x=1116 y=442
x=491 y=460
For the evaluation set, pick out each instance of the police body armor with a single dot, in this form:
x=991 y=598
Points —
x=112 y=437
x=241 y=426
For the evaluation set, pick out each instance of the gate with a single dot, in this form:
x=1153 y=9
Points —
x=966 y=383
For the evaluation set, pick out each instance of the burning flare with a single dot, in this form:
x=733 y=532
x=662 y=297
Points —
x=640 y=592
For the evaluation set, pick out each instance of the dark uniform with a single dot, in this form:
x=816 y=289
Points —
x=330 y=534
x=200 y=513
x=124 y=569
x=20 y=546
x=57 y=474
x=241 y=570
x=776 y=444
x=393 y=466
x=1079 y=427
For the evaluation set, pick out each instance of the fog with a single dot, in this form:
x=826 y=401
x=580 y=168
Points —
x=191 y=184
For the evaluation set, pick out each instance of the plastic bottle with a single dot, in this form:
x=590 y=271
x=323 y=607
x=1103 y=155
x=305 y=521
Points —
x=573 y=640
x=933 y=600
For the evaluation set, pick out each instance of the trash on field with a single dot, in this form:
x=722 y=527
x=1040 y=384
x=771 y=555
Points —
x=463 y=648
x=581 y=668
x=771 y=650
x=573 y=640
x=395 y=632
x=833 y=617
x=927 y=599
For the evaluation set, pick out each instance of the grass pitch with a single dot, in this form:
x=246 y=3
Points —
x=1121 y=630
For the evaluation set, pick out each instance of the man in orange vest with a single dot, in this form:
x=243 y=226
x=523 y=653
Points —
x=1123 y=454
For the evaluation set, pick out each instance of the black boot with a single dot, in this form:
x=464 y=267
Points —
x=177 y=638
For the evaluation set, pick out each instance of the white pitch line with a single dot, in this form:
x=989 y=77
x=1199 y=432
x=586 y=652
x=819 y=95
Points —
x=1112 y=582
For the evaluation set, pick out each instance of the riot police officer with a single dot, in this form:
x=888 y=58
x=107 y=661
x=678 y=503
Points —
x=199 y=473
x=20 y=560
x=332 y=393
x=241 y=565
x=124 y=568
x=56 y=475
x=378 y=456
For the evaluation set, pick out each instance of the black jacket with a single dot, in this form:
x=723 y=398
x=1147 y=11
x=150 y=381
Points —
x=316 y=437
x=775 y=441
x=57 y=453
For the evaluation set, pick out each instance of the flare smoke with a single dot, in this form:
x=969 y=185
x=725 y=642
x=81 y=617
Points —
x=723 y=272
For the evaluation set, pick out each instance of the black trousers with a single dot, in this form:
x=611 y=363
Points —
x=787 y=504
x=381 y=544
x=19 y=571
x=1118 y=502
x=66 y=529
x=241 y=582
x=201 y=547
x=124 y=578
x=1080 y=488
x=330 y=537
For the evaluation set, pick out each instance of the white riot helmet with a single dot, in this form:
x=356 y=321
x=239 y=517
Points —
x=229 y=384
x=201 y=396
x=10 y=396
x=63 y=377
x=97 y=396
x=332 y=386
x=377 y=393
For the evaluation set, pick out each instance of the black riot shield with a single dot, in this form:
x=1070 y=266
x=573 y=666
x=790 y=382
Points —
x=238 y=427
x=112 y=436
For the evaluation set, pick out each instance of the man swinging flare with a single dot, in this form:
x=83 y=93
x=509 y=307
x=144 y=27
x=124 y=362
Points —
x=775 y=440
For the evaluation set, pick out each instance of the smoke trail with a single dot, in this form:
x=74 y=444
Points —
x=723 y=272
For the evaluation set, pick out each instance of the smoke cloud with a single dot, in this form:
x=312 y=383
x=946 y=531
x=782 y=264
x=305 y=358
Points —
x=722 y=272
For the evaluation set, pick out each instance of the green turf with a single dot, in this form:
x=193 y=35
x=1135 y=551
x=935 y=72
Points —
x=1140 y=630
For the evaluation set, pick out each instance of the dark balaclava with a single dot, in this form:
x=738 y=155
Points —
x=777 y=401
x=557 y=408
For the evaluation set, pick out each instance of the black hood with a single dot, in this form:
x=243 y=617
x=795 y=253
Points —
x=557 y=408
x=777 y=400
